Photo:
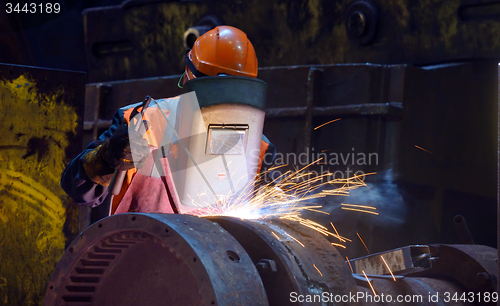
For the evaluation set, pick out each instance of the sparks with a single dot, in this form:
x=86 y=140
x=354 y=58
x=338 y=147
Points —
x=338 y=236
x=388 y=268
x=360 y=210
x=285 y=197
x=326 y=123
x=369 y=283
x=318 y=270
x=276 y=236
x=295 y=240
x=338 y=244
x=424 y=150
x=363 y=243
x=349 y=262
x=359 y=206
x=319 y=211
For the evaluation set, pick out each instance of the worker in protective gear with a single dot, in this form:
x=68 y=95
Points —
x=222 y=50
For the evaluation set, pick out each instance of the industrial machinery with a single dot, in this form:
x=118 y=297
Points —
x=177 y=259
x=165 y=259
x=431 y=83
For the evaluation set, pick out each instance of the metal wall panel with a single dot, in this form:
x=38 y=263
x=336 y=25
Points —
x=145 y=38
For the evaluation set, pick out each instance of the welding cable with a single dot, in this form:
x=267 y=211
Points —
x=193 y=69
x=180 y=80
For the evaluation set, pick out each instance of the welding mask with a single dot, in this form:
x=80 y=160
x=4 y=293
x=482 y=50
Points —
x=218 y=136
x=208 y=151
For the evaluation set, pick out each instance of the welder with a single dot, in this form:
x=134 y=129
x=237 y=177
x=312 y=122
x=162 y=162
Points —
x=87 y=177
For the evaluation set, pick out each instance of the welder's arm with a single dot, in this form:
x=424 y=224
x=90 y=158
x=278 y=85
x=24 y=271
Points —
x=87 y=177
x=75 y=180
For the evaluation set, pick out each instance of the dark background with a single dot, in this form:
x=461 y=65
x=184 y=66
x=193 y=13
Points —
x=399 y=74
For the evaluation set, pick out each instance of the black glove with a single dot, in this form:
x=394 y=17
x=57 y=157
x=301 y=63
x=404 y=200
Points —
x=117 y=153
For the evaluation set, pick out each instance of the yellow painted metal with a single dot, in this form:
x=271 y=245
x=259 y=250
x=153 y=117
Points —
x=34 y=129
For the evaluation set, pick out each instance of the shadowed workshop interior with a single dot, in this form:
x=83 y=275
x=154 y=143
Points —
x=413 y=84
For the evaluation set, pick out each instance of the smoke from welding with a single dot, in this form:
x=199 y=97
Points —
x=382 y=193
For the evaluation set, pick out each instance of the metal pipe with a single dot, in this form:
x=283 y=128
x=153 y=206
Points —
x=463 y=230
x=181 y=259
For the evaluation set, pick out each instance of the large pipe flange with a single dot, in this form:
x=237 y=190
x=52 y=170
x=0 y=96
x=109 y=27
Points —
x=292 y=259
x=155 y=259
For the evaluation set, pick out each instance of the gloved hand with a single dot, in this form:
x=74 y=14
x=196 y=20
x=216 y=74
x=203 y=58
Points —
x=117 y=152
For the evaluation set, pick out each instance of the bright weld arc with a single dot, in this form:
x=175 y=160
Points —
x=369 y=283
x=388 y=268
x=363 y=243
x=281 y=199
x=318 y=270
x=360 y=210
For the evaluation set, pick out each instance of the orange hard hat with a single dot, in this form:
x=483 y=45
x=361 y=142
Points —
x=222 y=50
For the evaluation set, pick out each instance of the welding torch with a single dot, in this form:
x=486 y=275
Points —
x=119 y=176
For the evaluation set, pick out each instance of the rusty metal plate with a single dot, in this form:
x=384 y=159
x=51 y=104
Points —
x=398 y=261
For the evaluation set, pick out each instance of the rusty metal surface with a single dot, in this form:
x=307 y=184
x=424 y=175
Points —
x=398 y=261
x=187 y=260
x=458 y=275
x=41 y=119
x=309 y=269
x=145 y=39
x=467 y=270
x=473 y=266
x=161 y=260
